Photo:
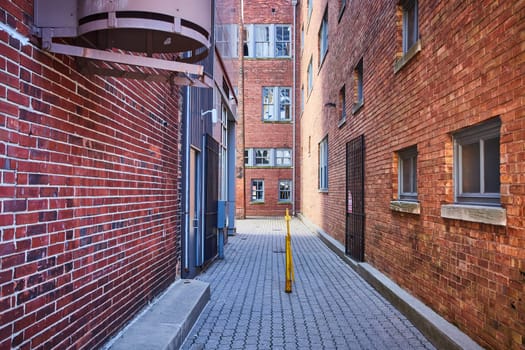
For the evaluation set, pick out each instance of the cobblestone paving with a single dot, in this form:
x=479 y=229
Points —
x=330 y=306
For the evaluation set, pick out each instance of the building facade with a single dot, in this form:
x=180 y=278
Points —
x=265 y=184
x=91 y=177
x=412 y=149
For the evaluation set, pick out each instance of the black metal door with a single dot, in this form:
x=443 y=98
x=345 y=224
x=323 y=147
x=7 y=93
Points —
x=355 y=198
x=211 y=193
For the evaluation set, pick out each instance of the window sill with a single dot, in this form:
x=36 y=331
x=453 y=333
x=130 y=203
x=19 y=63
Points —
x=405 y=207
x=400 y=63
x=357 y=107
x=256 y=203
x=342 y=122
x=283 y=121
x=323 y=190
x=475 y=213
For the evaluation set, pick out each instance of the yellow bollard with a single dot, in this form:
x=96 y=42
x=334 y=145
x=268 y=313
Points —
x=289 y=261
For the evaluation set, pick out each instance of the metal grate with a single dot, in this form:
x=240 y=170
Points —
x=355 y=198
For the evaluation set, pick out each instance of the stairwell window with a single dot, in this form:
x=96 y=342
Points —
x=408 y=174
x=257 y=191
x=477 y=164
x=285 y=191
x=323 y=165
x=323 y=38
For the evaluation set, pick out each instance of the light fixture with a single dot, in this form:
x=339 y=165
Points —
x=213 y=112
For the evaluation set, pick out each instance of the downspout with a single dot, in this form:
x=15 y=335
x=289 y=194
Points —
x=187 y=142
x=294 y=98
x=243 y=128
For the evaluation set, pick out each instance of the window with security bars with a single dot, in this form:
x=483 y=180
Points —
x=477 y=164
x=285 y=190
x=257 y=191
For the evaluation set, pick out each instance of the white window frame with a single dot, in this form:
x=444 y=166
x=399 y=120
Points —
x=323 y=164
x=310 y=77
x=254 y=42
x=257 y=191
x=323 y=37
x=479 y=134
x=285 y=191
x=281 y=157
x=407 y=156
x=410 y=35
x=268 y=157
x=273 y=101
x=286 y=43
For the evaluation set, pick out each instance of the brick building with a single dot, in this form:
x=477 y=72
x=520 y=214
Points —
x=91 y=166
x=412 y=149
x=266 y=140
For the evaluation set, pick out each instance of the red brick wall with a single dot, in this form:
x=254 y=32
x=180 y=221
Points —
x=90 y=195
x=470 y=69
x=259 y=73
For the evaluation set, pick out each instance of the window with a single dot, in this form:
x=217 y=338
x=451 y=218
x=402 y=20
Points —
x=302 y=98
x=309 y=6
x=268 y=157
x=262 y=41
x=302 y=38
x=282 y=41
x=342 y=104
x=285 y=190
x=258 y=191
x=323 y=37
x=226 y=40
x=342 y=6
x=407 y=172
x=310 y=77
x=247 y=39
x=283 y=157
x=410 y=24
x=262 y=157
x=358 y=85
x=267 y=41
x=276 y=99
x=323 y=164
x=477 y=163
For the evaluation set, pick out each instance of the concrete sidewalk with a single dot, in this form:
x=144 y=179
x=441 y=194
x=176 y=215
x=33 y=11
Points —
x=330 y=307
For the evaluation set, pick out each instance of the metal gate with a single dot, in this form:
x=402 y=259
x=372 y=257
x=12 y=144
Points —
x=211 y=193
x=355 y=198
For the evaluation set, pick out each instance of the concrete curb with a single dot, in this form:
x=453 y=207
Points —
x=441 y=333
x=166 y=323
